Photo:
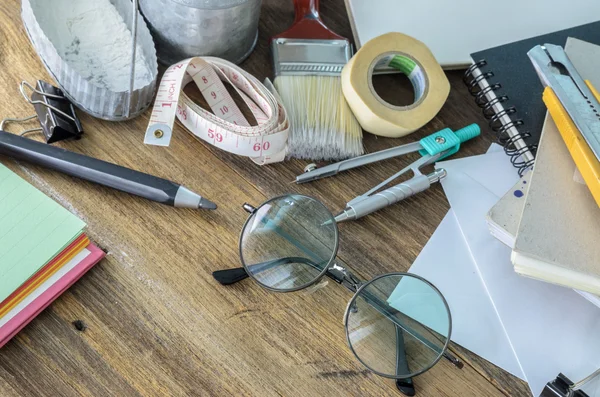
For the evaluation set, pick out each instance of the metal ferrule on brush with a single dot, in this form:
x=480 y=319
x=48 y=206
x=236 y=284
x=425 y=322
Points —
x=304 y=57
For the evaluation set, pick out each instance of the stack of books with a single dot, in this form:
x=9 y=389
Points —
x=550 y=218
x=43 y=251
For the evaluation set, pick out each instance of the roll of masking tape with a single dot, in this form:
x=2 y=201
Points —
x=415 y=60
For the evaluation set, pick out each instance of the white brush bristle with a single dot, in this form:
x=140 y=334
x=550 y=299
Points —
x=322 y=124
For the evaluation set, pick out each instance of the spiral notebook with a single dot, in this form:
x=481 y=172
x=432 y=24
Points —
x=506 y=87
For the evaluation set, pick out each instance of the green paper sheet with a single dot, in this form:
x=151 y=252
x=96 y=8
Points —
x=33 y=230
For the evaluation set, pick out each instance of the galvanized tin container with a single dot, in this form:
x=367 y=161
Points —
x=94 y=98
x=186 y=28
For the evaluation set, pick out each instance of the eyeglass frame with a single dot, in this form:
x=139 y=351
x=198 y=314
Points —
x=343 y=276
x=252 y=210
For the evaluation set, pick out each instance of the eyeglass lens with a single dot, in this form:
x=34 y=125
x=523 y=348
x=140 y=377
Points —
x=398 y=325
x=288 y=242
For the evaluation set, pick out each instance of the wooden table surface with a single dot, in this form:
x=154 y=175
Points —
x=158 y=323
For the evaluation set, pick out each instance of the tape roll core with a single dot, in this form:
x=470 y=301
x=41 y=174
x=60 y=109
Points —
x=414 y=75
x=409 y=56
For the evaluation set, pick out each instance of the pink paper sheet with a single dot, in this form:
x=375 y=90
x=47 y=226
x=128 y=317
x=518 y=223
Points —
x=35 y=307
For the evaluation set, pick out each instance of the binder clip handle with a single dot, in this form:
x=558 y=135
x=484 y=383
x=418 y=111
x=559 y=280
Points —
x=447 y=140
x=54 y=111
x=45 y=94
x=19 y=120
x=564 y=387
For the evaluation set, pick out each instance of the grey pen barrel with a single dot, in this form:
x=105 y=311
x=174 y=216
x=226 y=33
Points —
x=91 y=169
x=390 y=196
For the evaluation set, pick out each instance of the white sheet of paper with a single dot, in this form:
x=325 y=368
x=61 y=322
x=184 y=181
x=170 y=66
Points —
x=447 y=263
x=419 y=301
x=551 y=329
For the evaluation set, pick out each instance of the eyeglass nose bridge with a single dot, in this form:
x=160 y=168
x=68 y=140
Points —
x=341 y=275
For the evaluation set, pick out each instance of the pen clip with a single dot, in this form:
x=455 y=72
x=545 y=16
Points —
x=314 y=173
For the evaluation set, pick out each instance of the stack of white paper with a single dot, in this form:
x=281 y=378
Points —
x=532 y=329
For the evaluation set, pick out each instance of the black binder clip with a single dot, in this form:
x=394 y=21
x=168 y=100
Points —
x=562 y=387
x=54 y=111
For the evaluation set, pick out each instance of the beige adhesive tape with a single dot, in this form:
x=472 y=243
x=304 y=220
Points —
x=411 y=57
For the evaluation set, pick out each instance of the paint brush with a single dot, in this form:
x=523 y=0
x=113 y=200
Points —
x=308 y=59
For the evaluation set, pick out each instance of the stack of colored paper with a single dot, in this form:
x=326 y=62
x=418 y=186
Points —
x=43 y=251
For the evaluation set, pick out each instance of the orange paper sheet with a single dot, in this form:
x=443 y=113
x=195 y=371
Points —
x=44 y=274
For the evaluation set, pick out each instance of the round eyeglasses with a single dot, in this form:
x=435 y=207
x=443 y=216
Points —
x=398 y=325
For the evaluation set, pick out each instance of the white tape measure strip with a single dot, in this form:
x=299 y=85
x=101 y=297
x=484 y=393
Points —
x=226 y=127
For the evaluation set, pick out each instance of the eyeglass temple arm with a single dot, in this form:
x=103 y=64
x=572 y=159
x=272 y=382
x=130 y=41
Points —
x=376 y=303
x=338 y=274
x=232 y=276
x=343 y=276
x=405 y=385
x=350 y=281
x=335 y=272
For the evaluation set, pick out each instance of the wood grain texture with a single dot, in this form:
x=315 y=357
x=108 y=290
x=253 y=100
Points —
x=158 y=324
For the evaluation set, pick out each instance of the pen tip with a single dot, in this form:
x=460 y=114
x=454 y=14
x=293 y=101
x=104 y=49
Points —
x=207 y=204
x=341 y=217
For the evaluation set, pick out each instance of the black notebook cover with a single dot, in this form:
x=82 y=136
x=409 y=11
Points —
x=513 y=70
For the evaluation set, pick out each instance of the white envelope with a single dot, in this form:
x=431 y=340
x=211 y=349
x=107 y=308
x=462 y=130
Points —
x=447 y=263
x=550 y=328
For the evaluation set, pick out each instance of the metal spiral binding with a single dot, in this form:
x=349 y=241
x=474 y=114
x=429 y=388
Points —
x=481 y=97
x=509 y=142
x=494 y=118
x=502 y=132
x=473 y=85
x=467 y=76
x=488 y=107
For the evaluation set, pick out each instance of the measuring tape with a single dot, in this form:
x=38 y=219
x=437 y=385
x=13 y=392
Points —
x=226 y=127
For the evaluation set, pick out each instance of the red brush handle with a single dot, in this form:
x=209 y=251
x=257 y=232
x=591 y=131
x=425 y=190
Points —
x=306 y=9
x=308 y=24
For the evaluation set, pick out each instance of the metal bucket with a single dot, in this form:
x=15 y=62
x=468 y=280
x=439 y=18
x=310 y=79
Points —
x=186 y=28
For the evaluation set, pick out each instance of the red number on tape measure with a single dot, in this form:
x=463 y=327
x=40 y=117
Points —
x=265 y=146
x=182 y=112
x=225 y=131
